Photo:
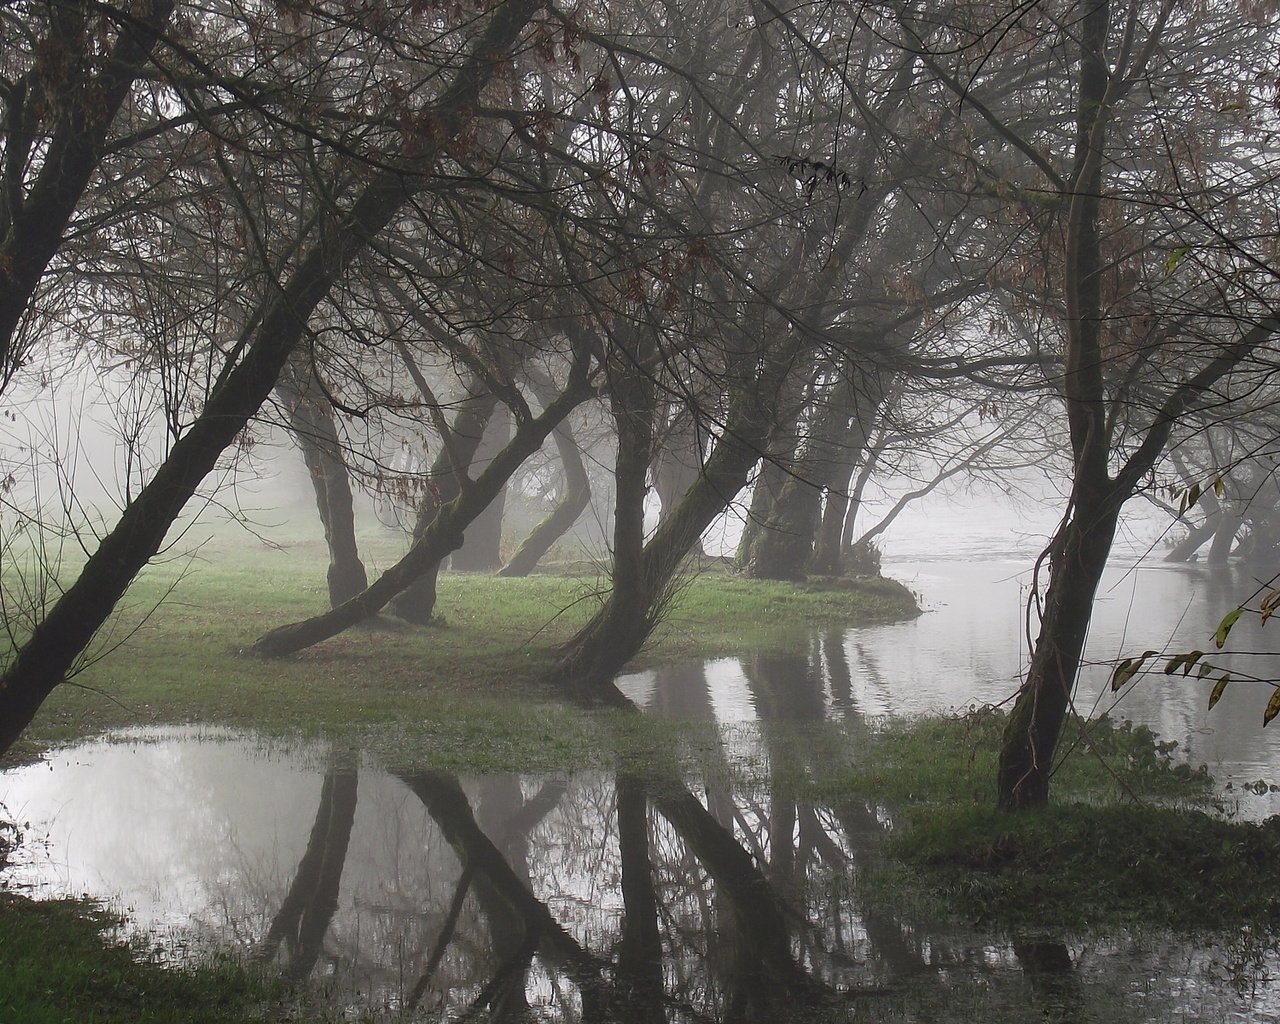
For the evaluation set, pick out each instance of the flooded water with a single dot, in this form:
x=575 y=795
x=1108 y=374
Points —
x=589 y=897
x=597 y=897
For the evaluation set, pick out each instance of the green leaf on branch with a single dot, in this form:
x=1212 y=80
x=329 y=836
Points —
x=1224 y=627
x=1273 y=707
x=1175 y=257
x=1219 y=688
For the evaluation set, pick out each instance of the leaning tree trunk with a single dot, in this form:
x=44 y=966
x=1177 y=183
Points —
x=1076 y=562
x=573 y=502
x=417 y=602
x=676 y=465
x=312 y=424
x=481 y=549
x=440 y=537
x=616 y=632
x=58 y=640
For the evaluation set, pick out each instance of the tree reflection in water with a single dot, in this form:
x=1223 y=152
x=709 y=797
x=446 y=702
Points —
x=645 y=896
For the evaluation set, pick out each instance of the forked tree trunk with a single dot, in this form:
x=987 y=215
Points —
x=417 y=602
x=616 y=632
x=441 y=536
x=785 y=547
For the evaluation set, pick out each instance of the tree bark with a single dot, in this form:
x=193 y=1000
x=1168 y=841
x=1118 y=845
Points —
x=481 y=549
x=1031 y=734
x=616 y=632
x=574 y=499
x=312 y=424
x=58 y=640
x=446 y=481
x=677 y=463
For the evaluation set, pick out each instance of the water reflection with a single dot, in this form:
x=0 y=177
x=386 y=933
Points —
x=640 y=897
x=969 y=648
x=593 y=898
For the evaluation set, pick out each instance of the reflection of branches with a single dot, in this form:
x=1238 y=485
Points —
x=308 y=907
x=445 y=801
x=447 y=928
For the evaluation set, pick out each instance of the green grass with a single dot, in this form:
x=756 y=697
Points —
x=1128 y=843
x=1081 y=868
x=923 y=764
x=60 y=964
x=463 y=694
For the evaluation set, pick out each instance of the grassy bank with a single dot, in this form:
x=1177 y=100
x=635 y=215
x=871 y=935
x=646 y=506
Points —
x=467 y=686
x=59 y=963
x=1132 y=839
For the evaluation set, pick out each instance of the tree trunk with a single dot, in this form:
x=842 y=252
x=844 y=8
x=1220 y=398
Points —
x=616 y=632
x=1078 y=558
x=1224 y=536
x=440 y=536
x=312 y=424
x=58 y=640
x=574 y=499
x=417 y=602
x=864 y=405
x=677 y=464
x=481 y=549
x=785 y=548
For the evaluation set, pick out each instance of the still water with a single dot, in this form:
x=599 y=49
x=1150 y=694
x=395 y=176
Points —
x=603 y=897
